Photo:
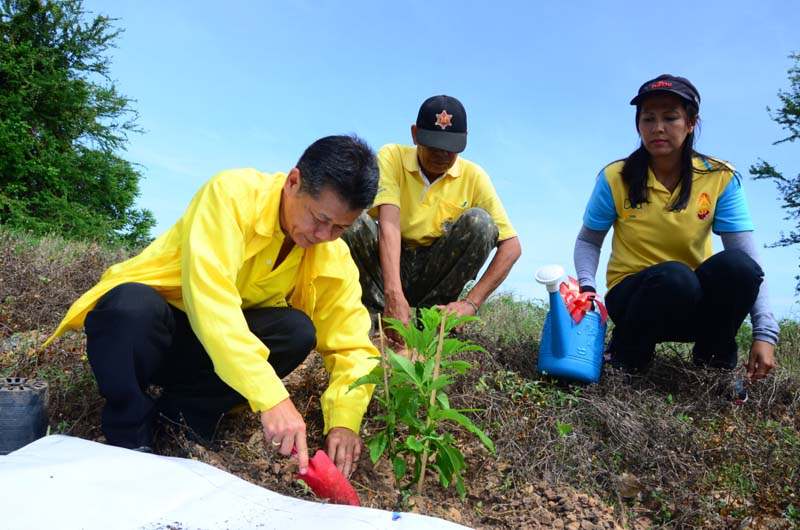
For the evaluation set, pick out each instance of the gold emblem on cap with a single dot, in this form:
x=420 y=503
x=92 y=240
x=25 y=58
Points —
x=443 y=119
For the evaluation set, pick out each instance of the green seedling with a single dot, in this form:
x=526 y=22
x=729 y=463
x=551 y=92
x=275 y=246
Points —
x=414 y=404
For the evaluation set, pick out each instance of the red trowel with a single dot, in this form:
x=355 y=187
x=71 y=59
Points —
x=326 y=481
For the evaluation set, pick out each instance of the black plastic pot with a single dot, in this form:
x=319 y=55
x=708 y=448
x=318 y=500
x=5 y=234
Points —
x=23 y=412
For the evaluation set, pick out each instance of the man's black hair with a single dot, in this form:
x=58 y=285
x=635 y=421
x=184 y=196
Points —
x=344 y=164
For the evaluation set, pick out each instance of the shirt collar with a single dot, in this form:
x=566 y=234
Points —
x=411 y=164
x=269 y=205
x=700 y=164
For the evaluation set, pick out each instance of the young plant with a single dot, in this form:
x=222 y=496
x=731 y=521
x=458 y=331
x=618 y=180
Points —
x=414 y=404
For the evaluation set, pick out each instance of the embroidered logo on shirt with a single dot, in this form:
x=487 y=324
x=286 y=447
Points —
x=628 y=205
x=703 y=206
x=443 y=120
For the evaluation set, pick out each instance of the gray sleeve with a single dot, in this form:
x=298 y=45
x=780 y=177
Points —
x=587 y=255
x=765 y=327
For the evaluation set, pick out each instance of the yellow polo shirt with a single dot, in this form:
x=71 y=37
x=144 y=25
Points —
x=217 y=260
x=648 y=234
x=425 y=207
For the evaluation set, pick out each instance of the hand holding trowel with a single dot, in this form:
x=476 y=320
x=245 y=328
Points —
x=327 y=482
x=319 y=472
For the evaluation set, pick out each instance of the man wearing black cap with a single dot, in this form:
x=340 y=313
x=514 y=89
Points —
x=438 y=219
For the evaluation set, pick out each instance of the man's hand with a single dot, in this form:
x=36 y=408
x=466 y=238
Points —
x=761 y=361
x=460 y=308
x=396 y=306
x=343 y=447
x=284 y=429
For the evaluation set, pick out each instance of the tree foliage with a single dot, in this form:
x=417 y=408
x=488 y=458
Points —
x=62 y=123
x=788 y=116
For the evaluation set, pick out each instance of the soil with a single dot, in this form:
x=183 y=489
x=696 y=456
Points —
x=493 y=500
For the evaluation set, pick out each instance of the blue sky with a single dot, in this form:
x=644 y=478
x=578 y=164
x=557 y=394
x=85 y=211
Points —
x=546 y=86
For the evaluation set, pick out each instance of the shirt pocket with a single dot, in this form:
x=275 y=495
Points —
x=448 y=213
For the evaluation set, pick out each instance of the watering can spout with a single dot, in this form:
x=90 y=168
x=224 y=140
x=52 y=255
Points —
x=550 y=276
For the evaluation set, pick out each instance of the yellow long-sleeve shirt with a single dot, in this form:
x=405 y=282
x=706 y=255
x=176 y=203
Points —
x=210 y=265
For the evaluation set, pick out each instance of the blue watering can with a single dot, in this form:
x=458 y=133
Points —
x=572 y=339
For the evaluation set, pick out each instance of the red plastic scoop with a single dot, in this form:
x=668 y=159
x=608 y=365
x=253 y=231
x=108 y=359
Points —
x=327 y=482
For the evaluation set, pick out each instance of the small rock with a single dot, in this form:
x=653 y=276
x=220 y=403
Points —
x=628 y=486
x=454 y=515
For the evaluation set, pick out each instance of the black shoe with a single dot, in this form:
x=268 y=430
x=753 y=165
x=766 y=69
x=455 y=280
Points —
x=631 y=364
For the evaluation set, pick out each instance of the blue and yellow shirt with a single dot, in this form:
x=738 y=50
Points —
x=648 y=234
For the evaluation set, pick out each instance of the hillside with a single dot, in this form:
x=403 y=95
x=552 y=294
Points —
x=667 y=449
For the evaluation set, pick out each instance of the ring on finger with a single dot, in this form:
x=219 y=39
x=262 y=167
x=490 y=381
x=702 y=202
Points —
x=276 y=443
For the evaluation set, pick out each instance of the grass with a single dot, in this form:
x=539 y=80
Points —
x=666 y=447
x=701 y=460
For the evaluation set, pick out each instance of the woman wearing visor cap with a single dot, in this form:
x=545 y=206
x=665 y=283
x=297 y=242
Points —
x=664 y=282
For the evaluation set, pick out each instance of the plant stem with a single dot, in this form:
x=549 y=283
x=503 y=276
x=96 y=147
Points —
x=385 y=366
x=436 y=364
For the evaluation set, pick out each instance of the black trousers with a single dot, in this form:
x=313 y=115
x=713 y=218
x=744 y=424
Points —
x=671 y=302
x=135 y=339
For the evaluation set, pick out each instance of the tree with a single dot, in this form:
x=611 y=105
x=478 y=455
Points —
x=788 y=116
x=62 y=123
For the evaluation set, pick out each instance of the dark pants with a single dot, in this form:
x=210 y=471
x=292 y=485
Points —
x=671 y=302
x=135 y=339
x=429 y=275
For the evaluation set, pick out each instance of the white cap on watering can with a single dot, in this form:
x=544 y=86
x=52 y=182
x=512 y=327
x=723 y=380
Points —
x=550 y=276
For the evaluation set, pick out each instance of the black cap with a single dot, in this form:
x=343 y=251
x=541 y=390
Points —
x=442 y=124
x=669 y=83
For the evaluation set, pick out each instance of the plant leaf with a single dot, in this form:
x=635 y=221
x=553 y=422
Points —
x=405 y=366
x=414 y=444
x=377 y=446
x=441 y=382
x=369 y=379
x=564 y=429
x=450 y=414
x=399 y=465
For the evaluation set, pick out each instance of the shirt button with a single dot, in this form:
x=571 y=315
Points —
x=269 y=262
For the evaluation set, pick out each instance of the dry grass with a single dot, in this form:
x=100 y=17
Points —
x=665 y=449
x=40 y=278
x=696 y=459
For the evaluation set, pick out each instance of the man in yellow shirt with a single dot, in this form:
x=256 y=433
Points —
x=232 y=298
x=438 y=219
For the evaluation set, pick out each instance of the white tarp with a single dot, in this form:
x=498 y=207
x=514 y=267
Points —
x=69 y=483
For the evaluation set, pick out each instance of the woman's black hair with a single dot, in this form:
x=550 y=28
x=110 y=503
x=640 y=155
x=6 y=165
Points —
x=634 y=170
